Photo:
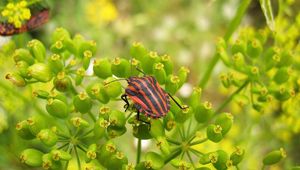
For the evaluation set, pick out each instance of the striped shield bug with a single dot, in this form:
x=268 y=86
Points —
x=37 y=19
x=148 y=97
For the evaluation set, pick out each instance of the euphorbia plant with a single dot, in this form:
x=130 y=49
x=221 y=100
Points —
x=83 y=118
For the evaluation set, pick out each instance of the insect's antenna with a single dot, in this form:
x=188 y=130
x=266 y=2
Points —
x=114 y=81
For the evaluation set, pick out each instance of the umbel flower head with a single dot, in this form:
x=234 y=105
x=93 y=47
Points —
x=16 y=13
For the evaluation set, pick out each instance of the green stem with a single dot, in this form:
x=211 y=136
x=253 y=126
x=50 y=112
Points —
x=224 y=104
x=63 y=146
x=198 y=142
x=77 y=157
x=92 y=116
x=173 y=141
x=263 y=167
x=139 y=151
x=237 y=168
x=196 y=152
x=189 y=127
x=173 y=155
x=231 y=28
x=190 y=158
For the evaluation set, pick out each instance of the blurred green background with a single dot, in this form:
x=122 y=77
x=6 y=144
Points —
x=187 y=30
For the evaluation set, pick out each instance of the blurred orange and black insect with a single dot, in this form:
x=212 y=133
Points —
x=38 y=18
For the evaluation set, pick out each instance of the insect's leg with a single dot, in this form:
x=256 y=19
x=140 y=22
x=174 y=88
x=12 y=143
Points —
x=177 y=102
x=141 y=120
x=124 y=98
x=141 y=71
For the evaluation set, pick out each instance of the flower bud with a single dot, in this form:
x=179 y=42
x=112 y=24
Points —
x=57 y=47
x=208 y=158
x=274 y=157
x=82 y=102
x=239 y=46
x=38 y=50
x=40 y=72
x=48 y=137
x=169 y=121
x=106 y=151
x=168 y=64
x=23 y=55
x=148 y=62
x=172 y=84
x=138 y=51
x=271 y=57
x=183 y=74
x=22 y=67
x=120 y=67
x=174 y=108
x=222 y=159
x=225 y=120
x=60 y=34
x=102 y=68
x=254 y=48
x=79 y=122
x=118 y=160
x=31 y=157
x=91 y=152
x=287 y=58
x=163 y=145
x=203 y=112
x=104 y=112
x=57 y=108
x=55 y=63
x=237 y=156
x=49 y=163
x=157 y=128
x=184 y=114
x=283 y=93
x=214 y=133
x=282 y=75
x=112 y=89
x=93 y=165
x=62 y=82
x=222 y=53
x=239 y=62
x=16 y=79
x=60 y=155
x=41 y=94
x=141 y=131
x=36 y=123
x=115 y=131
x=181 y=164
x=159 y=73
x=100 y=128
x=80 y=73
x=97 y=91
x=87 y=49
x=195 y=97
x=117 y=118
x=153 y=161
x=23 y=130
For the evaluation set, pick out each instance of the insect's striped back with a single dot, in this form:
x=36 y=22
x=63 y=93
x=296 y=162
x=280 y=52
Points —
x=148 y=96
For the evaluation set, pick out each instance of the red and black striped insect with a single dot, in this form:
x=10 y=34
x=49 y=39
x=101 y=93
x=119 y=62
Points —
x=148 y=97
x=37 y=19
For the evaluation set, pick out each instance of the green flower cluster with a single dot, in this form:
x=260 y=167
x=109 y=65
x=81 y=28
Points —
x=16 y=13
x=81 y=121
x=260 y=61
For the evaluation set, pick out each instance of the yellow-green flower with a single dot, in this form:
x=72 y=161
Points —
x=16 y=13
x=99 y=12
